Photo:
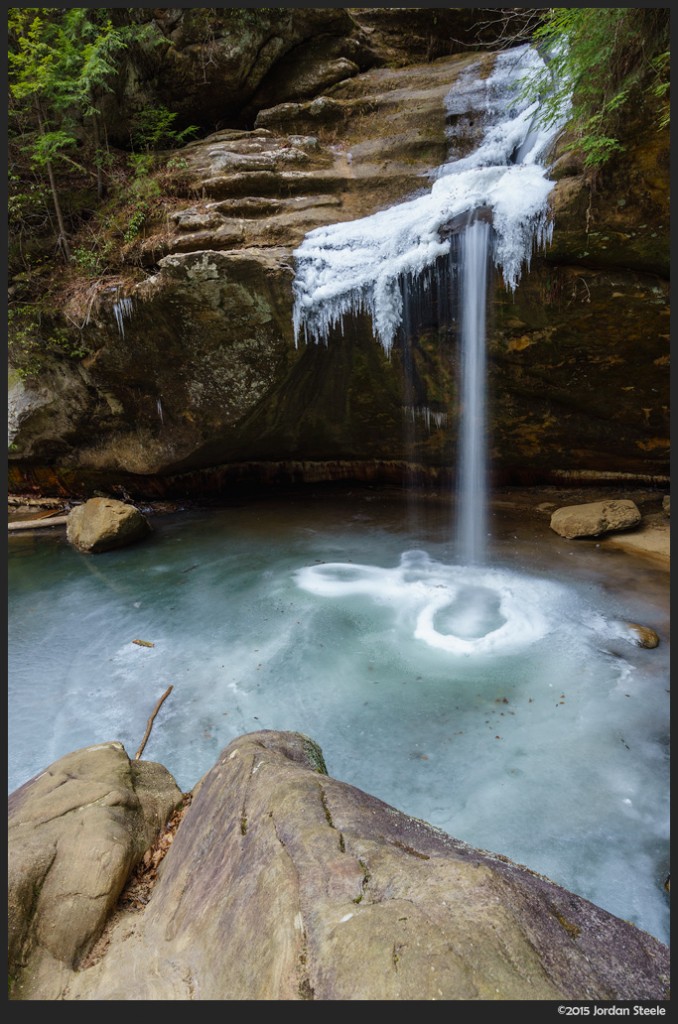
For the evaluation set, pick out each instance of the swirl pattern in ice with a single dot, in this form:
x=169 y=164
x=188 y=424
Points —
x=462 y=609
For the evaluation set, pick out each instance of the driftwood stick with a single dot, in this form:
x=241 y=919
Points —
x=35 y=524
x=149 y=725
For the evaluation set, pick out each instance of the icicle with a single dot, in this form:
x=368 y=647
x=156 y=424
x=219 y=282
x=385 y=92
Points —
x=357 y=267
x=426 y=415
x=123 y=310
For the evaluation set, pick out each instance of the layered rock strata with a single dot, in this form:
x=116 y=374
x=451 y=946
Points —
x=195 y=366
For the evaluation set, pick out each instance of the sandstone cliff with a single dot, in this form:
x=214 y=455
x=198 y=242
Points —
x=192 y=378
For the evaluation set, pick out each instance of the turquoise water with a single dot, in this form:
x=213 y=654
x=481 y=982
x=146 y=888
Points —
x=549 y=746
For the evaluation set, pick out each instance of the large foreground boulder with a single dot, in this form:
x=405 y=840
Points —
x=285 y=884
x=102 y=524
x=75 y=833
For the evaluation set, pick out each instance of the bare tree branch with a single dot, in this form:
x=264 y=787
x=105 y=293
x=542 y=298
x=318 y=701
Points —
x=516 y=25
x=150 y=722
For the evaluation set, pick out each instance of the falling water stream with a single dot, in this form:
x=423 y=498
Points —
x=472 y=487
x=486 y=682
x=489 y=205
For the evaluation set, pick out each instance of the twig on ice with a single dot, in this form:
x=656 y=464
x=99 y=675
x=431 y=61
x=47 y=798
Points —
x=149 y=726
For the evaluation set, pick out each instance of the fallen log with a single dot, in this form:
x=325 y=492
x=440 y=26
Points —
x=34 y=524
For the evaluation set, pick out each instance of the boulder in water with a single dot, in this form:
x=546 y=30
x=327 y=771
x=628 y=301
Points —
x=643 y=636
x=101 y=524
x=595 y=518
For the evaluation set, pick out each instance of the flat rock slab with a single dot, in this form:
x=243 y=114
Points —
x=285 y=884
x=595 y=518
x=651 y=540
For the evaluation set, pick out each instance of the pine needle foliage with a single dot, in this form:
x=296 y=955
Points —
x=599 y=62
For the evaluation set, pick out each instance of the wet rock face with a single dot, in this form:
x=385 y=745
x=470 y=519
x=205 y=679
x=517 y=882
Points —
x=207 y=373
x=619 y=218
x=203 y=366
x=283 y=883
x=578 y=372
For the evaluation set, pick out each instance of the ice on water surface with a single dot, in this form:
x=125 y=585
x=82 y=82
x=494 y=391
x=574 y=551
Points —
x=460 y=609
x=511 y=709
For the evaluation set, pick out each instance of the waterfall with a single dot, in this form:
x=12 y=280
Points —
x=347 y=268
x=472 y=487
x=489 y=205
